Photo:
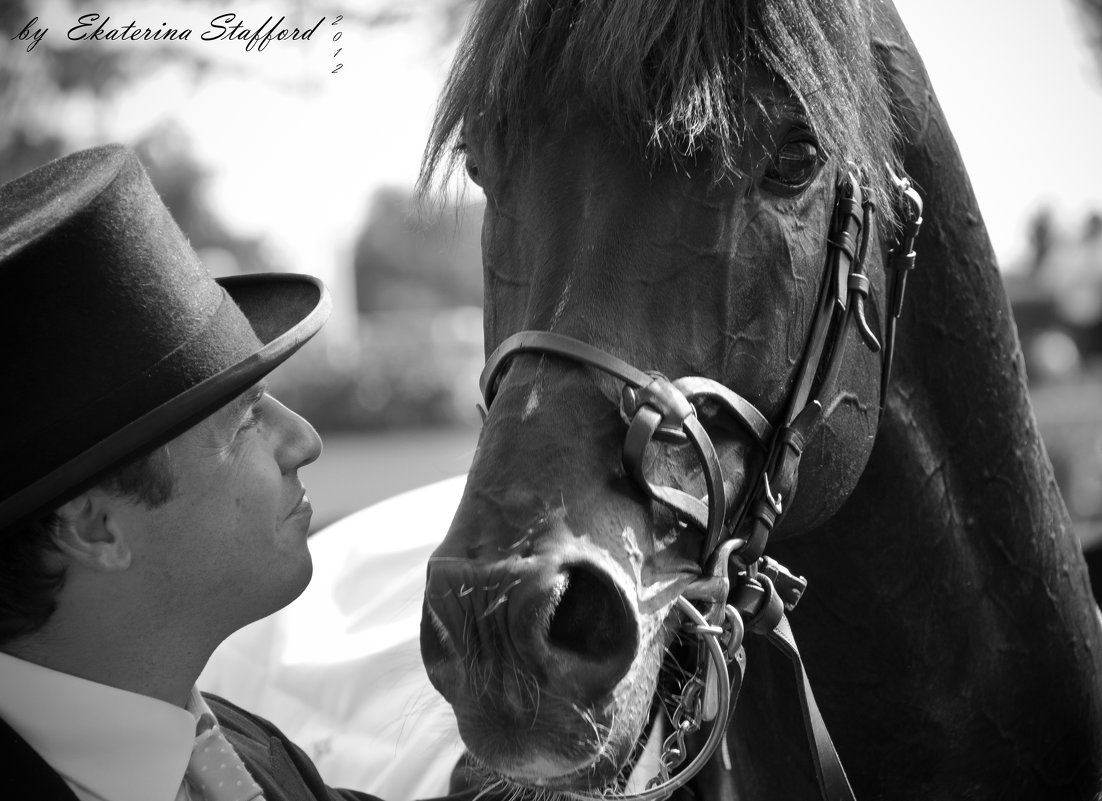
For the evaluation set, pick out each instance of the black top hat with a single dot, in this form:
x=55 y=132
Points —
x=116 y=338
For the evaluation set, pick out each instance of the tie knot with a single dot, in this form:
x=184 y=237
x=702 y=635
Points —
x=204 y=724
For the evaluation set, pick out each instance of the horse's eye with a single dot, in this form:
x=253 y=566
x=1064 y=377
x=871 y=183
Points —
x=469 y=163
x=472 y=169
x=794 y=165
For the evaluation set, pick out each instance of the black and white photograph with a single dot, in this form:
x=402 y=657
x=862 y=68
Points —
x=551 y=400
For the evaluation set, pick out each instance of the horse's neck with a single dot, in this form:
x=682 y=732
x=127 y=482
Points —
x=948 y=627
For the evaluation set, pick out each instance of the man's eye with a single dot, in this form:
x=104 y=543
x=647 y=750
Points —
x=251 y=419
x=794 y=165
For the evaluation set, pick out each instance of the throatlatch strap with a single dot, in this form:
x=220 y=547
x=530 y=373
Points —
x=833 y=782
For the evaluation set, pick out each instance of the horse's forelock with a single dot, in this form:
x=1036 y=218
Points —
x=669 y=74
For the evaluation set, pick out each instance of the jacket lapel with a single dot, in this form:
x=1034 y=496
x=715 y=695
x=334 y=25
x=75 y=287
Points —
x=25 y=770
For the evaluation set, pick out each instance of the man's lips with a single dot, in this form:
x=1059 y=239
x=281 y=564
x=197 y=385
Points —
x=303 y=506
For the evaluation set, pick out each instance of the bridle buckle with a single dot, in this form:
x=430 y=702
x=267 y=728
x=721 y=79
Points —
x=666 y=400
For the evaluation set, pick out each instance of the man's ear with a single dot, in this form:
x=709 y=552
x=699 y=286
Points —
x=90 y=533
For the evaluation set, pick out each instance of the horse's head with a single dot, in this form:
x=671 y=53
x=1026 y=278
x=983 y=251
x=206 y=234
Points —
x=662 y=183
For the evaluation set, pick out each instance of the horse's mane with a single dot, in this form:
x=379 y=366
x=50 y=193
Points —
x=668 y=74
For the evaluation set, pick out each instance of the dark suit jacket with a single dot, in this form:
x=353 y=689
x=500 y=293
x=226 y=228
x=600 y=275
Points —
x=279 y=766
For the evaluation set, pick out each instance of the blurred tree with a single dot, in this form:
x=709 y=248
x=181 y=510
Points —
x=50 y=93
x=53 y=93
x=402 y=262
x=181 y=181
x=56 y=94
x=1040 y=238
x=1092 y=9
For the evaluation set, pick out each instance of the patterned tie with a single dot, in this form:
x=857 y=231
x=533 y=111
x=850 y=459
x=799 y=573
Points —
x=216 y=772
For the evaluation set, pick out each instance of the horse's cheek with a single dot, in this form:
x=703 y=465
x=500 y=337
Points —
x=506 y=275
x=801 y=262
x=787 y=259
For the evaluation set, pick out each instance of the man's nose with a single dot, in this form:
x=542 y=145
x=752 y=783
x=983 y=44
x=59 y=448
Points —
x=299 y=444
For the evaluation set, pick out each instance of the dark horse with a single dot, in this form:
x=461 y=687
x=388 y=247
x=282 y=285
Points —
x=663 y=183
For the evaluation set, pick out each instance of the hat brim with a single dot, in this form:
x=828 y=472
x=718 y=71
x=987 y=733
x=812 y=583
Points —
x=284 y=309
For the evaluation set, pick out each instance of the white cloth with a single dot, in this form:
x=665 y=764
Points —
x=339 y=670
x=107 y=744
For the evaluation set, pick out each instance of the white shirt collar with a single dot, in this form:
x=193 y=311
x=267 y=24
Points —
x=106 y=743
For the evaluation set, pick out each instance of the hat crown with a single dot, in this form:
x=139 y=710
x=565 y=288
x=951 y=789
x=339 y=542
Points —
x=115 y=322
x=33 y=204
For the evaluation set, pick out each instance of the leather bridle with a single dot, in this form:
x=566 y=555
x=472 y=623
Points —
x=658 y=409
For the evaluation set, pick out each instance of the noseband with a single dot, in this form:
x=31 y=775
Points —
x=655 y=408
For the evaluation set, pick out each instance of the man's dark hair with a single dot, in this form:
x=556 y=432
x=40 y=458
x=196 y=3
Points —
x=29 y=583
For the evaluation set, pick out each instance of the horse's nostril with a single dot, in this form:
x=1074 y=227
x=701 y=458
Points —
x=591 y=618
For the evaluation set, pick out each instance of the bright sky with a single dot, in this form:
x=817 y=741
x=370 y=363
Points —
x=298 y=162
x=1023 y=96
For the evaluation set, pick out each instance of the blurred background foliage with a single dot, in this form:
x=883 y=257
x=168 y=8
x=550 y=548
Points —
x=417 y=277
x=412 y=357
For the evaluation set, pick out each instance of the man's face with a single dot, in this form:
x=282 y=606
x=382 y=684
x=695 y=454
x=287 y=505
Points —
x=229 y=547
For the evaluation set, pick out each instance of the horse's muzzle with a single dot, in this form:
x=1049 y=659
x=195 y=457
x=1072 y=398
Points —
x=559 y=620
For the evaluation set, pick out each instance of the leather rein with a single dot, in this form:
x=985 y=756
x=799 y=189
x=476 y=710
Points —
x=740 y=589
